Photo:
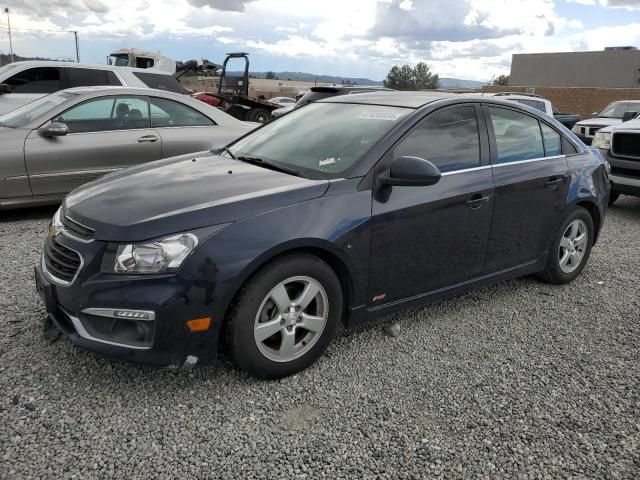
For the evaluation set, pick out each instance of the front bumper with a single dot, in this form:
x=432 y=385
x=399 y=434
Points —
x=173 y=299
x=627 y=183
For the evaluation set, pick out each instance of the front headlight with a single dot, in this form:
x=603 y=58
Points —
x=576 y=128
x=158 y=256
x=602 y=140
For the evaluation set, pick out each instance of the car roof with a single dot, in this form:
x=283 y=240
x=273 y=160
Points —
x=392 y=98
x=51 y=63
x=120 y=90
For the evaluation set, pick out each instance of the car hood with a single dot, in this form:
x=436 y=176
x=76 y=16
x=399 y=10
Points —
x=630 y=125
x=183 y=193
x=599 y=122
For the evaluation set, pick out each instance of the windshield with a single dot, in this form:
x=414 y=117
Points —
x=121 y=60
x=618 y=109
x=26 y=114
x=321 y=140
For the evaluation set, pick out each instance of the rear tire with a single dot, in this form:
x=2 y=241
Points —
x=613 y=196
x=259 y=115
x=285 y=316
x=571 y=248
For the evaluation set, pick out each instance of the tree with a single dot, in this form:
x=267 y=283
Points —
x=270 y=75
x=411 y=78
x=424 y=78
x=501 y=80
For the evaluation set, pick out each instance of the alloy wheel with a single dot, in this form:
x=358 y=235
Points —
x=291 y=319
x=573 y=245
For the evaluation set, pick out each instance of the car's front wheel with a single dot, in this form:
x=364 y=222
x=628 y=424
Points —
x=571 y=247
x=285 y=316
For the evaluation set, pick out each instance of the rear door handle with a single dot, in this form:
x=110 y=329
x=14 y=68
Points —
x=477 y=201
x=148 y=138
x=554 y=183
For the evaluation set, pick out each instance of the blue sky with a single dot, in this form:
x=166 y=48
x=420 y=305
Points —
x=472 y=39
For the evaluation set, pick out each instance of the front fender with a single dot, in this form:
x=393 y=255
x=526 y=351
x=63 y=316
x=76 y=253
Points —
x=338 y=225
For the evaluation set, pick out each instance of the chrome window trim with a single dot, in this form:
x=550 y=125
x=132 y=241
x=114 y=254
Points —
x=519 y=162
x=58 y=281
x=110 y=313
x=86 y=335
x=466 y=170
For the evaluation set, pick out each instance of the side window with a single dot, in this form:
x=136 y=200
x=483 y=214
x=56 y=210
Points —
x=534 y=104
x=167 y=113
x=448 y=138
x=112 y=79
x=86 y=77
x=105 y=114
x=568 y=148
x=35 y=80
x=159 y=81
x=552 y=144
x=518 y=136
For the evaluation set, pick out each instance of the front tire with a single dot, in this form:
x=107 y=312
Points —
x=285 y=316
x=571 y=248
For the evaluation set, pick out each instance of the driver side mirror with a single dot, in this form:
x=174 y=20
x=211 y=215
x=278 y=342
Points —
x=5 y=88
x=54 y=129
x=594 y=114
x=411 y=172
x=626 y=116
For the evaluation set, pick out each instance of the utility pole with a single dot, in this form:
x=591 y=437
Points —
x=6 y=10
x=75 y=34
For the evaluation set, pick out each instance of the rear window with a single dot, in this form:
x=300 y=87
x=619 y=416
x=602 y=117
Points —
x=159 y=81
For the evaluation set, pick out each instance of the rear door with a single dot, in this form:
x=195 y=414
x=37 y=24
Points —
x=106 y=134
x=89 y=77
x=30 y=84
x=531 y=177
x=184 y=129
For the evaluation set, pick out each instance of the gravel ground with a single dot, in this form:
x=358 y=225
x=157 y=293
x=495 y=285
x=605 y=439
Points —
x=521 y=380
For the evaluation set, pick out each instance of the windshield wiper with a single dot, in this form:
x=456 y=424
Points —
x=219 y=151
x=272 y=166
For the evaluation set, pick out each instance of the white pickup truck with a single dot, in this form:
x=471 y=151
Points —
x=542 y=104
x=613 y=114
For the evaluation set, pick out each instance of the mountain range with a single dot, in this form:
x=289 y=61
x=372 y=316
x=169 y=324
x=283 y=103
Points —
x=445 y=82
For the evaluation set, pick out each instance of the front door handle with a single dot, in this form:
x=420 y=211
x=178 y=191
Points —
x=554 y=183
x=148 y=138
x=477 y=201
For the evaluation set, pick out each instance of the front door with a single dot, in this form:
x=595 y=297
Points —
x=105 y=134
x=532 y=178
x=427 y=238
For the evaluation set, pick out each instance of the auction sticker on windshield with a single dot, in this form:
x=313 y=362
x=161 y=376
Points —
x=379 y=115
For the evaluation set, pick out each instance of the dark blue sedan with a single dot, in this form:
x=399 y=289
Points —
x=343 y=210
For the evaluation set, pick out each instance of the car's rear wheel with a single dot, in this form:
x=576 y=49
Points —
x=571 y=248
x=613 y=196
x=285 y=316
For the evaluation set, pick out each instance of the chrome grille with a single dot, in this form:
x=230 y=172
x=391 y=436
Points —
x=76 y=229
x=61 y=262
x=626 y=144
